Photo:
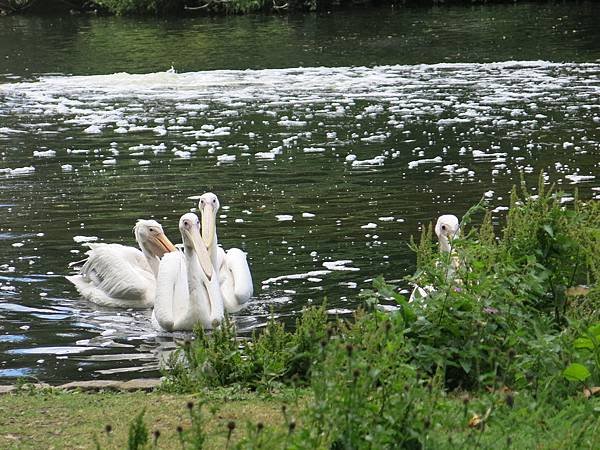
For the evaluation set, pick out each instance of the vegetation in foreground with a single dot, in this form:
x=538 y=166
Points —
x=512 y=325
x=503 y=353
x=52 y=419
x=125 y=7
x=231 y=418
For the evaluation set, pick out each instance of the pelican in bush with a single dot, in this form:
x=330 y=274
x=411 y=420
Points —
x=123 y=276
x=231 y=266
x=447 y=229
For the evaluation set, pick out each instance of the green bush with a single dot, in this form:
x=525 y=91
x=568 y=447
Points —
x=121 y=7
x=504 y=313
x=273 y=355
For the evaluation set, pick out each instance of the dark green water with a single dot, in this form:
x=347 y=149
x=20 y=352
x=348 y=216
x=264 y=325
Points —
x=360 y=126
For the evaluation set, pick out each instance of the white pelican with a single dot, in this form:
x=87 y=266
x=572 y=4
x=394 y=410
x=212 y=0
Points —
x=232 y=267
x=447 y=229
x=118 y=275
x=188 y=291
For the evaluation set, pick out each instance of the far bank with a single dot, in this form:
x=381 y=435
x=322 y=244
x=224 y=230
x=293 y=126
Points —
x=188 y=8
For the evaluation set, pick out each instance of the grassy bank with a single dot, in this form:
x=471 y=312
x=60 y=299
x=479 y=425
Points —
x=60 y=420
x=79 y=420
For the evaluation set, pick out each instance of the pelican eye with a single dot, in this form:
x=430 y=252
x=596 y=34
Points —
x=444 y=227
x=214 y=200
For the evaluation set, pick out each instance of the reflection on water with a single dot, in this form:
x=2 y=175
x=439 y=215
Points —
x=323 y=172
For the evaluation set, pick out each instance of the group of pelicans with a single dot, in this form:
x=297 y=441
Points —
x=185 y=288
x=193 y=286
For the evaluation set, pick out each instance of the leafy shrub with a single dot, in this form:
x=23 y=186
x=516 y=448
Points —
x=121 y=7
x=587 y=350
x=273 y=355
x=503 y=314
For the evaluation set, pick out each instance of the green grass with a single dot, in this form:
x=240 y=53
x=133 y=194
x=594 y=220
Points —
x=71 y=420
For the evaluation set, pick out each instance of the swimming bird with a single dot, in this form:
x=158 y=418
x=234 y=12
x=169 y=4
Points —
x=447 y=228
x=123 y=276
x=188 y=291
x=232 y=267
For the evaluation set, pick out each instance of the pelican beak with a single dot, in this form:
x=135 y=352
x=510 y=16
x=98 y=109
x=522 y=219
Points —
x=165 y=244
x=201 y=252
x=208 y=225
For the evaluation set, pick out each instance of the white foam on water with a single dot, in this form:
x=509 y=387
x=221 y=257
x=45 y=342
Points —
x=411 y=91
x=336 y=311
x=377 y=161
x=18 y=171
x=341 y=265
x=296 y=276
x=81 y=239
x=375 y=138
x=44 y=153
x=482 y=154
x=292 y=123
x=264 y=155
x=6 y=130
x=93 y=129
x=418 y=162
x=576 y=178
x=313 y=149
x=226 y=158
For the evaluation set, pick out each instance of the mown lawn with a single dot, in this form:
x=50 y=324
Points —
x=69 y=420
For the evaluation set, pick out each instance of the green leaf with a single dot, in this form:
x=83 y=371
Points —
x=595 y=330
x=576 y=372
x=466 y=365
x=583 y=343
x=548 y=229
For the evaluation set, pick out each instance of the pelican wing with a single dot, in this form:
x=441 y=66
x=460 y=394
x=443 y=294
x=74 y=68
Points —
x=236 y=280
x=172 y=295
x=115 y=275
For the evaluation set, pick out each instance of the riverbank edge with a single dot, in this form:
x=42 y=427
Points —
x=183 y=8
x=136 y=384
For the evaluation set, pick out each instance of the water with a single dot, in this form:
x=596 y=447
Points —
x=348 y=132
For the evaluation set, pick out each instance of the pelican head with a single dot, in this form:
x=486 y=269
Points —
x=446 y=229
x=189 y=226
x=209 y=207
x=151 y=238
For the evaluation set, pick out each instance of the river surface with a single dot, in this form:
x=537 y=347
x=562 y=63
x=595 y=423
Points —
x=329 y=140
